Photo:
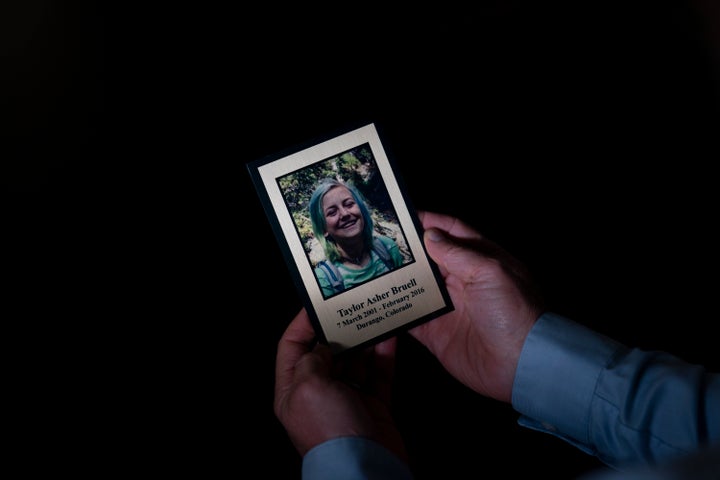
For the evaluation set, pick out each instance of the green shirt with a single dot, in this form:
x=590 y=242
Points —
x=351 y=277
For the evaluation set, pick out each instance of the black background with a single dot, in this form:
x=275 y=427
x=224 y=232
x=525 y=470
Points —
x=149 y=292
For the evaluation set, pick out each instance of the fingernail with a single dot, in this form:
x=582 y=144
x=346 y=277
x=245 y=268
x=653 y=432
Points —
x=435 y=235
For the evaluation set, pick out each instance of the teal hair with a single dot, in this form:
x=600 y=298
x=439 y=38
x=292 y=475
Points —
x=317 y=217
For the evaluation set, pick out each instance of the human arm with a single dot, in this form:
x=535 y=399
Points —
x=623 y=405
x=337 y=410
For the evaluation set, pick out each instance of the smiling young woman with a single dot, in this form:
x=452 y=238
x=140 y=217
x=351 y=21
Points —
x=343 y=225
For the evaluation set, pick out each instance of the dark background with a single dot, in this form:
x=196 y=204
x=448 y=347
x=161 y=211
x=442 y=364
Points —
x=147 y=292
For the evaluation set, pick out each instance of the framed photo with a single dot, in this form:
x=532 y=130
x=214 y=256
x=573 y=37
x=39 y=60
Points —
x=351 y=240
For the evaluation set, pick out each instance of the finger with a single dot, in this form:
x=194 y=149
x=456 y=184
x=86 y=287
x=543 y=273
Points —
x=453 y=226
x=318 y=362
x=299 y=331
x=384 y=369
x=297 y=340
x=456 y=259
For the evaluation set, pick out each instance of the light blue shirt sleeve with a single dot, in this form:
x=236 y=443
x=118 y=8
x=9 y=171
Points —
x=625 y=406
x=353 y=458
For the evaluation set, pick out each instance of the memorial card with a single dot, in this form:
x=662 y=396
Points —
x=352 y=241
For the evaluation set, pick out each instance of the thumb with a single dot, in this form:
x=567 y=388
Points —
x=453 y=257
x=317 y=362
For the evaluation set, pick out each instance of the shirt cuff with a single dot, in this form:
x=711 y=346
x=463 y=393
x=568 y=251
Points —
x=353 y=458
x=556 y=378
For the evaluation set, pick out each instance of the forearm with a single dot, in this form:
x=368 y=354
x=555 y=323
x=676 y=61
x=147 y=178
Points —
x=622 y=405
